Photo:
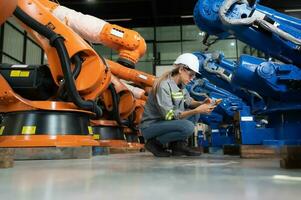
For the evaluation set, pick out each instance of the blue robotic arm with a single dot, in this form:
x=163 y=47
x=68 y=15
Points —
x=230 y=104
x=266 y=95
x=280 y=82
x=274 y=33
x=264 y=85
x=272 y=90
x=266 y=79
x=221 y=119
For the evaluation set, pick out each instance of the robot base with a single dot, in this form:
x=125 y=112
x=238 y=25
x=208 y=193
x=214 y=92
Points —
x=109 y=134
x=45 y=129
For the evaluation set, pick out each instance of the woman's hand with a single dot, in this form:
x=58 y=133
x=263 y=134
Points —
x=207 y=101
x=205 y=108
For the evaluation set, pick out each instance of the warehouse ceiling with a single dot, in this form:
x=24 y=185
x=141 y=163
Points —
x=142 y=13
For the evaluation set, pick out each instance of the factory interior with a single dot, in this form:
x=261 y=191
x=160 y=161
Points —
x=149 y=99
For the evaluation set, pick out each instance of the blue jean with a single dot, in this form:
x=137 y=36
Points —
x=169 y=131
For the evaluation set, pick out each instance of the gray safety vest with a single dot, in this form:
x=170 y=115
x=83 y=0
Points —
x=168 y=104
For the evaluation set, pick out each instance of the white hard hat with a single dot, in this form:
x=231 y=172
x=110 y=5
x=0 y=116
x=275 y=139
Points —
x=189 y=60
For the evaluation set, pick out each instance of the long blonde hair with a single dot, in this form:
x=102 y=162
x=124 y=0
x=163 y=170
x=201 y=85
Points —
x=164 y=76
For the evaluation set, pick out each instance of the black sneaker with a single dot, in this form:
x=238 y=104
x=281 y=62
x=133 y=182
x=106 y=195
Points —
x=180 y=148
x=156 y=148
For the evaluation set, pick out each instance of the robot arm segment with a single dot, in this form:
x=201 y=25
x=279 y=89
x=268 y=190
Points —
x=130 y=45
x=88 y=27
x=274 y=33
x=136 y=76
x=7 y=8
x=212 y=65
x=215 y=68
x=224 y=9
x=266 y=78
x=230 y=102
x=255 y=17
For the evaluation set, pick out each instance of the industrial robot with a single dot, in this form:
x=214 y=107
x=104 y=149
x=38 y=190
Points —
x=271 y=88
x=79 y=94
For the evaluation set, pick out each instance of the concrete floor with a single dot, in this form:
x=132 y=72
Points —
x=142 y=176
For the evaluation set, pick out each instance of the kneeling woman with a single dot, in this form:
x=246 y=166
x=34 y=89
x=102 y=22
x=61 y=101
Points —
x=168 y=105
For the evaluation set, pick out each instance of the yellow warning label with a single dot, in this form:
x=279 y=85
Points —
x=29 y=130
x=90 y=130
x=24 y=74
x=96 y=137
x=15 y=73
x=19 y=73
x=1 y=130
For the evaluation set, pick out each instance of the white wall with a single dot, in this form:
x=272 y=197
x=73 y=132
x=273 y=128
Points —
x=162 y=68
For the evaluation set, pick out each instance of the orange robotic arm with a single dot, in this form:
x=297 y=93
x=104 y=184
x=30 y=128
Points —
x=65 y=50
x=7 y=8
x=91 y=90
x=136 y=76
x=49 y=15
x=130 y=45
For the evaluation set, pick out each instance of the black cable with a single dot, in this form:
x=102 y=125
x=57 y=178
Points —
x=78 y=65
x=207 y=42
x=76 y=59
x=115 y=99
x=131 y=119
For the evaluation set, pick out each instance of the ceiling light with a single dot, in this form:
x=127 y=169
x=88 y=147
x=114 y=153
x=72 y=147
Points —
x=292 y=10
x=187 y=16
